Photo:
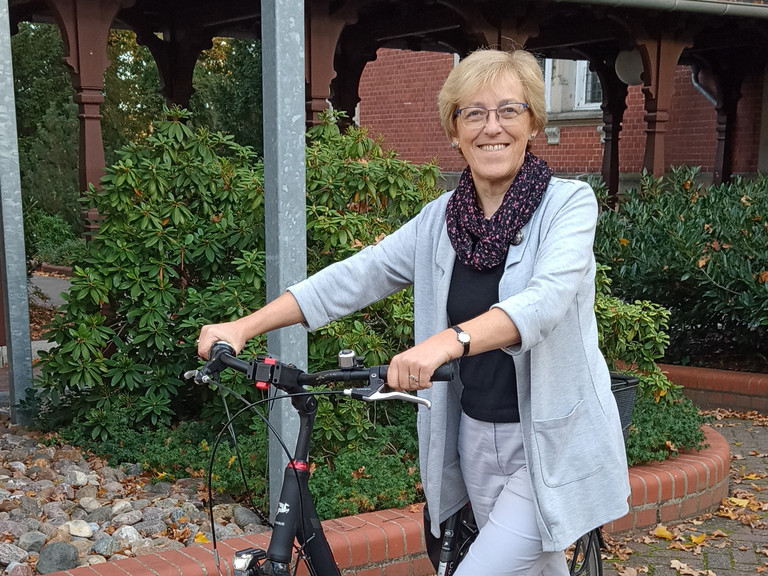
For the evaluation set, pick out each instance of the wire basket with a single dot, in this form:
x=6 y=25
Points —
x=624 y=389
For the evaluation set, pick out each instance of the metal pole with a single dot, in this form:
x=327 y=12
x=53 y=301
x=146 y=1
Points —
x=282 y=32
x=14 y=270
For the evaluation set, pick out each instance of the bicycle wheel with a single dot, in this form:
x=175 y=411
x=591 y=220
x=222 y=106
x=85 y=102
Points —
x=584 y=556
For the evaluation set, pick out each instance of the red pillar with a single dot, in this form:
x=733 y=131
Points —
x=660 y=57
x=85 y=26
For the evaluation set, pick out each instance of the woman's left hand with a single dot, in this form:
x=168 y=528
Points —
x=413 y=369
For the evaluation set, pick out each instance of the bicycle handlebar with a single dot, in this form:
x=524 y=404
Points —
x=266 y=371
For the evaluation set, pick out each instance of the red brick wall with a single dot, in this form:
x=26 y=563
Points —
x=579 y=150
x=399 y=89
x=398 y=100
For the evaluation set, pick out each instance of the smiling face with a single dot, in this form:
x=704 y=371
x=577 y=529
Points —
x=494 y=151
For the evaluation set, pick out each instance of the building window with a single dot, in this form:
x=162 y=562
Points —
x=588 y=93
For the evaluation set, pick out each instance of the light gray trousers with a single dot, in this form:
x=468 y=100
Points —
x=494 y=470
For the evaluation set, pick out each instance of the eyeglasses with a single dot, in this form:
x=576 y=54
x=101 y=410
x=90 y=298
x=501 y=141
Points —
x=476 y=116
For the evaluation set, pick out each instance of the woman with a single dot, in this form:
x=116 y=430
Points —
x=503 y=276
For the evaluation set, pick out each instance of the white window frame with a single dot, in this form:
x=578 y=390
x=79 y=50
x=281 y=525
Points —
x=580 y=92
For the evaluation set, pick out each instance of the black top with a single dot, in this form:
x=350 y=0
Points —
x=490 y=384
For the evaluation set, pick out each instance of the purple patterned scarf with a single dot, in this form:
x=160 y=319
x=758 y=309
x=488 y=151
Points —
x=483 y=243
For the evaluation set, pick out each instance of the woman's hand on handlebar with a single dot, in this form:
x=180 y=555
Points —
x=230 y=332
x=413 y=369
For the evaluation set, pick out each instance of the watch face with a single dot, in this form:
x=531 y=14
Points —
x=463 y=337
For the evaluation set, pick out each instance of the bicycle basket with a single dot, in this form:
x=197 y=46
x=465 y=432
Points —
x=624 y=389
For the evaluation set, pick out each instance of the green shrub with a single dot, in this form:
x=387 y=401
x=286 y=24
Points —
x=660 y=430
x=178 y=246
x=701 y=252
x=49 y=238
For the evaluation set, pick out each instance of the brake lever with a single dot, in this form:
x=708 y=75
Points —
x=213 y=366
x=378 y=390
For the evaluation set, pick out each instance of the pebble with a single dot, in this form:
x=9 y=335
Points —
x=59 y=511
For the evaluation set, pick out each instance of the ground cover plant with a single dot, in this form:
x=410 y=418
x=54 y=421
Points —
x=180 y=245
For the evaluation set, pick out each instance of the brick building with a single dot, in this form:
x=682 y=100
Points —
x=398 y=95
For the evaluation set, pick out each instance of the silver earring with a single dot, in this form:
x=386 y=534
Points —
x=532 y=136
x=454 y=144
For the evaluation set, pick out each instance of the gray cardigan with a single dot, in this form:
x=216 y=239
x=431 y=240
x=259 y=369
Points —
x=572 y=433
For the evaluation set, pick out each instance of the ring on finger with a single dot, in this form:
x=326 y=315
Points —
x=412 y=377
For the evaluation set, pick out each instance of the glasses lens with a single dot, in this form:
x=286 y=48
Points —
x=474 y=116
x=509 y=112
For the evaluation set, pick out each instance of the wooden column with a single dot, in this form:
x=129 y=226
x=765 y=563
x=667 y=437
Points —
x=85 y=25
x=660 y=57
x=729 y=79
x=613 y=106
x=325 y=26
x=175 y=54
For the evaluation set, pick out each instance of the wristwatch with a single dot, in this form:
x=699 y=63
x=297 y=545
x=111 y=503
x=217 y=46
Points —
x=464 y=338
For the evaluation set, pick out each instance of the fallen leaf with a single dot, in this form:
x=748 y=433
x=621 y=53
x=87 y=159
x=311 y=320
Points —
x=662 y=532
x=698 y=539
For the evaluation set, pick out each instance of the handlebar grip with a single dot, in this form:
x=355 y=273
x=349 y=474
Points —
x=443 y=373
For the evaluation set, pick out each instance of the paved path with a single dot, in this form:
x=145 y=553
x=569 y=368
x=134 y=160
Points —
x=734 y=540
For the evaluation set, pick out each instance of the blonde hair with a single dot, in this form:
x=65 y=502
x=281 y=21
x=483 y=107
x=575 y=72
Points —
x=481 y=70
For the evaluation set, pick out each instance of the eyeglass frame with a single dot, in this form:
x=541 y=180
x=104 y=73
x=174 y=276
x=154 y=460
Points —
x=458 y=112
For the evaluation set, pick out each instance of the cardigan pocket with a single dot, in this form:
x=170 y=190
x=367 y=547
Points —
x=562 y=447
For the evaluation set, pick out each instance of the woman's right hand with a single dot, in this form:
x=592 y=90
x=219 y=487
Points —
x=230 y=332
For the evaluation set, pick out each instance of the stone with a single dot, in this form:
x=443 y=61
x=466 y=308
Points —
x=94 y=559
x=20 y=570
x=83 y=546
x=132 y=469
x=89 y=491
x=140 y=504
x=17 y=467
x=159 y=488
x=130 y=518
x=79 y=528
x=48 y=474
x=121 y=507
x=112 y=487
x=15 y=529
x=32 y=541
x=102 y=514
x=89 y=503
x=151 y=527
x=57 y=556
x=30 y=506
x=244 y=516
x=152 y=513
x=126 y=535
x=166 y=503
x=54 y=510
x=114 y=474
x=31 y=524
x=106 y=546
x=10 y=553
x=64 y=489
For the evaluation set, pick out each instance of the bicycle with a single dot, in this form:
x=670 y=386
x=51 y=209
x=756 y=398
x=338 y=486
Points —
x=296 y=518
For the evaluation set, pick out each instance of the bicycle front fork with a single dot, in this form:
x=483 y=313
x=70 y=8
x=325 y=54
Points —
x=296 y=517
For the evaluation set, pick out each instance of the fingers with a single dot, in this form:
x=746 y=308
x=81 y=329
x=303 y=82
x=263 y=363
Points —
x=406 y=373
x=213 y=333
